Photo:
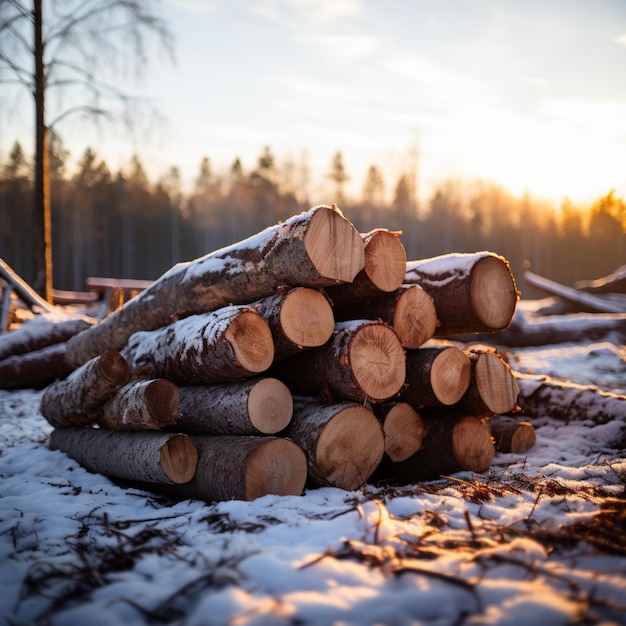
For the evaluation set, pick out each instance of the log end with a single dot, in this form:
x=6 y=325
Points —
x=162 y=400
x=385 y=260
x=495 y=383
x=270 y=406
x=334 y=246
x=472 y=446
x=493 y=292
x=524 y=438
x=251 y=339
x=307 y=318
x=113 y=366
x=378 y=361
x=450 y=375
x=179 y=459
x=278 y=467
x=349 y=448
x=414 y=317
x=403 y=428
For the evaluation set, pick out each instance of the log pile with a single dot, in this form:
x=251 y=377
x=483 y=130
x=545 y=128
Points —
x=309 y=354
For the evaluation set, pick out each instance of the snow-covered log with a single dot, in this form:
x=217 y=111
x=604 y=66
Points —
x=35 y=369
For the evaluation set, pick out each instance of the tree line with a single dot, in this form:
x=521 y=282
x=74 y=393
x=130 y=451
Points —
x=121 y=224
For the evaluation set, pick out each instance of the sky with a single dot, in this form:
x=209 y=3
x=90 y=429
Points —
x=530 y=95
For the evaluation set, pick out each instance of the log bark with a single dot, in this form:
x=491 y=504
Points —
x=472 y=293
x=233 y=342
x=383 y=271
x=78 y=399
x=403 y=429
x=541 y=396
x=511 y=434
x=145 y=455
x=435 y=376
x=35 y=369
x=409 y=309
x=313 y=249
x=258 y=406
x=453 y=442
x=493 y=387
x=363 y=360
x=615 y=282
x=243 y=468
x=343 y=442
x=298 y=317
x=142 y=405
x=26 y=293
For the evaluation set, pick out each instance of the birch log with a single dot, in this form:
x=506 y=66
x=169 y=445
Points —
x=78 y=399
x=145 y=455
x=314 y=249
x=472 y=293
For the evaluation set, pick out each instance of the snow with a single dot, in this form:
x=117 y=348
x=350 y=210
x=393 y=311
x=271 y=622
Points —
x=512 y=546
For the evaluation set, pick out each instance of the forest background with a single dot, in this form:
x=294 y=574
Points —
x=121 y=224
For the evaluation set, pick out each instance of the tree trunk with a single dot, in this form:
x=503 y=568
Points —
x=403 y=428
x=492 y=388
x=78 y=400
x=145 y=455
x=299 y=317
x=231 y=343
x=409 y=309
x=146 y=404
x=541 y=396
x=343 y=442
x=383 y=271
x=313 y=249
x=363 y=360
x=511 y=434
x=472 y=292
x=452 y=443
x=435 y=376
x=35 y=369
x=258 y=406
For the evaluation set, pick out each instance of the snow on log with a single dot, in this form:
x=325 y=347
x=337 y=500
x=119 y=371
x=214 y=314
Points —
x=343 y=442
x=78 y=399
x=615 y=282
x=363 y=360
x=493 y=387
x=144 y=404
x=510 y=434
x=435 y=375
x=298 y=317
x=409 y=309
x=403 y=429
x=146 y=455
x=473 y=292
x=541 y=396
x=24 y=291
x=452 y=442
x=314 y=249
x=230 y=343
x=257 y=406
x=35 y=369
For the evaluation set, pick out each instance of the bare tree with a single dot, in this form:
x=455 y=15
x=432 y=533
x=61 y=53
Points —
x=71 y=43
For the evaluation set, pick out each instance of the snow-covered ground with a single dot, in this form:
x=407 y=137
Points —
x=539 y=538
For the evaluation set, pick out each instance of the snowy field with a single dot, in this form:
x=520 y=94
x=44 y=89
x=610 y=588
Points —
x=537 y=539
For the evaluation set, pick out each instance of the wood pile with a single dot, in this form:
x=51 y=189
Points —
x=308 y=354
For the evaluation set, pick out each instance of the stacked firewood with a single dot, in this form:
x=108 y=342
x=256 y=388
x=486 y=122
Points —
x=308 y=354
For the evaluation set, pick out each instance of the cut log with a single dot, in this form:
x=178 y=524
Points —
x=343 y=442
x=615 y=282
x=493 y=387
x=35 y=369
x=541 y=396
x=144 y=404
x=403 y=429
x=472 y=293
x=298 y=317
x=363 y=360
x=409 y=309
x=231 y=343
x=78 y=399
x=145 y=455
x=383 y=271
x=258 y=406
x=313 y=249
x=243 y=468
x=511 y=434
x=452 y=443
x=435 y=376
